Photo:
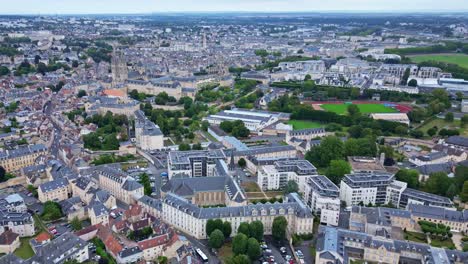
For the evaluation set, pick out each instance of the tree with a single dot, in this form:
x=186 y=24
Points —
x=226 y=126
x=244 y=229
x=279 y=228
x=432 y=131
x=145 y=181
x=75 y=64
x=227 y=229
x=337 y=169
x=411 y=177
x=449 y=117
x=291 y=187
x=413 y=83
x=239 y=244
x=242 y=163
x=4 y=71
x=76 y=224
x=81 y=93
x=212 y=225
x=239 y=259
x=438 y=183
x=464 y=121
x=184 y=147
x=451 y=191
x=52 y=211
x=162 y=260
x=331 y=148
x=253 y=249
x=461 y=176
x=464 y=192
x=353 y=110
x=256 y=230
x=216 y=239
x=360 y=147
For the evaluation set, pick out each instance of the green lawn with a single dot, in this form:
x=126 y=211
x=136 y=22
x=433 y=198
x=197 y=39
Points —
x=301 y=124
x=459 y=59
x=415 y=237
x=225 y=251
x=24 y=251
x=341 y=109
x=447 y=243
x=441 y=123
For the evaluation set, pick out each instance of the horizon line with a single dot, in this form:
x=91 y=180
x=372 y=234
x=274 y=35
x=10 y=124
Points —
x=337 y=11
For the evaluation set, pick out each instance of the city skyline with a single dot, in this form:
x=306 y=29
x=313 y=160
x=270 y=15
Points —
x=157 y=6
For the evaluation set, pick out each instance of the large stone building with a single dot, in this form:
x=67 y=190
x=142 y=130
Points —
x=119 y=184
x=56 y=190
x=16 y=159
x=192 y=219
x=148 y=135
x=14 y=216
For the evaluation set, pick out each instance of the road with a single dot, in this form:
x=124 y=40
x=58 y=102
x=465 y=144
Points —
x=48 y=110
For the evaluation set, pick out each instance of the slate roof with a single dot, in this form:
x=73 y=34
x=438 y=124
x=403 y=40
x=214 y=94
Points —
x=458 y=141
x=53 y=185
x=438 y=213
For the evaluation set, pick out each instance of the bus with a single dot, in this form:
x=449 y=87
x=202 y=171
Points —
x=202 y=255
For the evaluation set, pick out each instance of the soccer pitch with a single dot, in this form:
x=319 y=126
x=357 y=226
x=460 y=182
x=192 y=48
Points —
x=459 y=59
x=363 y=108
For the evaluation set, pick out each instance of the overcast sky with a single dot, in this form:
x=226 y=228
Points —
x=147 y=6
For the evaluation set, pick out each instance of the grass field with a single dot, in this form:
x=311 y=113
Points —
x=341 y=109
x=24 y=251
x=447 y=243
x=441 y=123
x=415 y=237
x=459 y=59
x=301 y=124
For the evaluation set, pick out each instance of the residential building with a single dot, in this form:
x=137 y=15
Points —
x=306 y=134
x=192 y=219
x=148 y=135
x=323 y=198
x=456 y=220
x=200 y=163
x=464 y=106
x=23 y=156
x=276 y=177
x=14 y=216
x=63 y=248
x=118 y=184
x=343 y=246
x=98 y=214
x=56 y=190
x=9 y=242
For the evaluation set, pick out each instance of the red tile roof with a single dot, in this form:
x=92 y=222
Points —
x=153 y=242
x=8 y=237
x=44 y=236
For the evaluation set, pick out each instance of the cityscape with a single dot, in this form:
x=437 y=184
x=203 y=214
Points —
x=257 y=132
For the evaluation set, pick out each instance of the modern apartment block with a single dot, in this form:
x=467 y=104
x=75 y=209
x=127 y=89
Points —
x=382 y=188
x=275 y=177
x=200 y=163
x=24 y=156
x=323 y=198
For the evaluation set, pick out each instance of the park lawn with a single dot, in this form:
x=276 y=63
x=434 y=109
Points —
x=24 y=251
x=415 y=237
x=225 y=251
x=441 y=123
x=459 y=59
x=251 y=187
x=274 y=194
x=302 y=124
x=447 y=243
x=341 y=109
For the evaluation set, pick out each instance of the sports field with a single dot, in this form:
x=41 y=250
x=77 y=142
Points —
x=301 y=124
x=364 y=108
x=459 y=59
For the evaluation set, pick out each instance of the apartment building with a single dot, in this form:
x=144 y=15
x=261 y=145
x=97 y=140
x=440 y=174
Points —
x=323 y=198
x=56 y=190
x=382 y=188
x=119 y=184
x=61 y=249
x=305 y=134
x=456 y=220
x=275 y=177
x=23 y=156
x=380 y=221
x=98 y=214
x=148 y=135
x=200 y=163
x=192 y=219
x=344 y=246
x=14 y=216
